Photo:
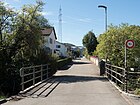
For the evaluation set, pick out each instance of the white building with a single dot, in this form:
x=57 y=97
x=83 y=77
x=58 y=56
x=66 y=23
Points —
x=49 y=38
x=61 y=49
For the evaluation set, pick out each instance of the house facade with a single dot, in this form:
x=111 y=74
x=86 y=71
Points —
x=50 y=38
x=61 y=49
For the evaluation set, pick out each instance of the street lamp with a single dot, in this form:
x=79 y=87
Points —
x=102 y=6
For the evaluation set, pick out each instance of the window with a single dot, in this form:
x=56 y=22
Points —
x=58 y=46
x=51 y=41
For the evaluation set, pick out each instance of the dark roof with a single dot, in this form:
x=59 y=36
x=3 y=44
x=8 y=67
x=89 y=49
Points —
x=48 y=31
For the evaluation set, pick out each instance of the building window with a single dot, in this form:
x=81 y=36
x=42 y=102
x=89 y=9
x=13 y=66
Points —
x=58 y=46
x=51 y=41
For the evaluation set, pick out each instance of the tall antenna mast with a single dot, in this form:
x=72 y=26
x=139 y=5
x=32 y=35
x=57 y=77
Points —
x=60 y=25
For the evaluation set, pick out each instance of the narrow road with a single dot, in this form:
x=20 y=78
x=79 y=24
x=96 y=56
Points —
x=78 y=85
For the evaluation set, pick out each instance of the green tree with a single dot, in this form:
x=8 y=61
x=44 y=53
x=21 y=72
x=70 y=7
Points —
x=6 y=17
x=21 y=43
x=28 y=37
x=112 y=43
x=90 y=42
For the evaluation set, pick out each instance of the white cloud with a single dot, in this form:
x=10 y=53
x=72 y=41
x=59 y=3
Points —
x=86 y=20
x=7 y=5
x=47 y=13
x=16 y=0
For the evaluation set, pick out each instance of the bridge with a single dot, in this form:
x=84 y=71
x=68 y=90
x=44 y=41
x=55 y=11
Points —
x=80 y=84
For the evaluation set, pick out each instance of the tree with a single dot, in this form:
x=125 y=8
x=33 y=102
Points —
x=112 y=42
x=6 y=17
x=90 y=42
x=28 y=39
x=20 y=43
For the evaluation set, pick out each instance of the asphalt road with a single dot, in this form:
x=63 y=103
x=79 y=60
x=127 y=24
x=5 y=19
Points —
x=78 y=85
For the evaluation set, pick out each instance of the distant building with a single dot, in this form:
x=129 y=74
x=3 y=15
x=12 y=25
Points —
x=73 y=48
x=61 y=49
x=49 y=39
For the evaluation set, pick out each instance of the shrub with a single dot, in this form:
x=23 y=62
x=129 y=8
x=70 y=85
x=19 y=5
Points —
x=137 y=91
x=63 y=62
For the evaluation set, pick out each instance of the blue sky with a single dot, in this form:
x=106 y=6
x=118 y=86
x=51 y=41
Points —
x=81 y=16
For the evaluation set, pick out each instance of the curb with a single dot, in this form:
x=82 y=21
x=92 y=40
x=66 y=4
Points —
x=128 y=94
x=129 y=101
x=2 y=101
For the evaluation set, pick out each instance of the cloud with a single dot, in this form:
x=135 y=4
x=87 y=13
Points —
x=7 y=5
x=47 y=13
x=86 y=20
x=16 y=0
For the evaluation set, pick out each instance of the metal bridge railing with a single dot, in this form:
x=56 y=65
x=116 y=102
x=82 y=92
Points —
x=33 y=74
x=118 y=75
x=123 y=78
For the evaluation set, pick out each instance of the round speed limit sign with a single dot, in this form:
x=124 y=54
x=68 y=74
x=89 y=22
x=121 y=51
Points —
x=129 y=43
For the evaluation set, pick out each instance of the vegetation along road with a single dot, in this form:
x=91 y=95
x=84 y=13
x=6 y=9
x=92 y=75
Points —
x=78 y=85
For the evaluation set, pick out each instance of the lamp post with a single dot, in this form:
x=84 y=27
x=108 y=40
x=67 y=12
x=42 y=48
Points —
x=102 y=6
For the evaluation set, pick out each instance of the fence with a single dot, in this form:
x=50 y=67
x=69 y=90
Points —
x=117 y=75
x=34 y=74
x=125 y=79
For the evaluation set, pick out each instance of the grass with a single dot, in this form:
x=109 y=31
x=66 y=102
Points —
x=2 y=97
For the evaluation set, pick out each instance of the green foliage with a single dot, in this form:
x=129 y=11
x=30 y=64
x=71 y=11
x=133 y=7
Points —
x=90 y=42
x=20 y=44
x=137 y=91
x=111 y=45
x=85 y=52
x=63 y=62
x=76 y=53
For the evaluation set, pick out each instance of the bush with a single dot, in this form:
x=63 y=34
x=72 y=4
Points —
x=61 y=63
x=137 y=91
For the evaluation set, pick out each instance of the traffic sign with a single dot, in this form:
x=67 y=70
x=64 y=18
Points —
x=129 y=43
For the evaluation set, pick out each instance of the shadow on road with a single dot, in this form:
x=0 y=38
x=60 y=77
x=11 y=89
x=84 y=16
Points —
x=73 y=79
x=42 y=90
x=80 y=63
x=66 y=67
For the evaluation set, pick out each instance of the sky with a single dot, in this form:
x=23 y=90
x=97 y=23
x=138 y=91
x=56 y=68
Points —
x=81 y=16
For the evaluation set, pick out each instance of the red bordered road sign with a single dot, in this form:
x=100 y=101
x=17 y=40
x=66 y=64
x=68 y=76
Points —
x=129 y=43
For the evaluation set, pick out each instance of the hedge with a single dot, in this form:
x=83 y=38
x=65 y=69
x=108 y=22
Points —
x=61 y=63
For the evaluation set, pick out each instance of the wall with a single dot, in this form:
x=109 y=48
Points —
x=95 y=60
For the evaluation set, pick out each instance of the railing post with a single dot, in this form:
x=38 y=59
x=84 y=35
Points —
x=126 y=74
x=33 y=75
x=41 y=72
x=47 y=72
x=116 y=76
x=124 y=79
x=22 y=78
x=106 y=70
x=111 y=72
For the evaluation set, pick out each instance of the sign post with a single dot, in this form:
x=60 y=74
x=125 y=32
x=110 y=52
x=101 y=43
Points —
x=128 y=44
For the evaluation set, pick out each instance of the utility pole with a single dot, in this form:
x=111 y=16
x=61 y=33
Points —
x=60 y=25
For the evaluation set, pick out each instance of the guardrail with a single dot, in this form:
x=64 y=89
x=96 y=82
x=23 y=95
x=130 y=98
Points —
x=118 y=75
x=124 y=78
x=33 y=74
